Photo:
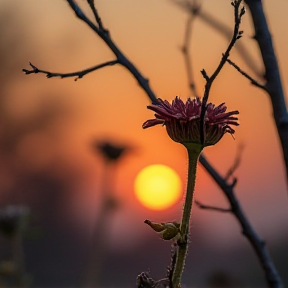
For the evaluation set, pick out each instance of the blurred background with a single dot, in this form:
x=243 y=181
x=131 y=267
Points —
x=50 y=160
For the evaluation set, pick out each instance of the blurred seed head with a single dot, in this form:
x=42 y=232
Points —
x=13 y=219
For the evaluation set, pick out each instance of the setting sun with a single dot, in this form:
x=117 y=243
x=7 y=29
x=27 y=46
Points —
x=157 y=187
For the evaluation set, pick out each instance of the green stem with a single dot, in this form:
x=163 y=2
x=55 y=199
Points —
x=193 y=154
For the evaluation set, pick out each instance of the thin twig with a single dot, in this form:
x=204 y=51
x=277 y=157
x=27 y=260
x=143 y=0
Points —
x=96 y=15
x=222 y=29
x=208 y=207
x=252 y=80
x=271 y=274
x=238 y=13
x=236 y=162
x=77 y=74
x=121 y=58
x=186 y=49
x=209 y=80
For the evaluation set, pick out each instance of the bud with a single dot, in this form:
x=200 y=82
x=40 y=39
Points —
x=167 y=230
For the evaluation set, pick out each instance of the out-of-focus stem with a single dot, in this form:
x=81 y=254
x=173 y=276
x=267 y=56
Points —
x=18 y=258
x=100 y=233
x=193 y=154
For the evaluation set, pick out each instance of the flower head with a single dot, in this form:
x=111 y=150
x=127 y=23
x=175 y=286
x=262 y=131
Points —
x=182 y=120
x=111 y=152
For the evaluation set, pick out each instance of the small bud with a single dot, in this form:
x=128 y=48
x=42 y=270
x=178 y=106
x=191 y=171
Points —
x=158 y=227
x=171 y=230
x=167 y=231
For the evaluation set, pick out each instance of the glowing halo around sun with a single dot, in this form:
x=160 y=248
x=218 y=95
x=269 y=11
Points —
x=157 y=187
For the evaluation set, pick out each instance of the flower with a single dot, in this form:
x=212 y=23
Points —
x=111 y=152
x=182 y=120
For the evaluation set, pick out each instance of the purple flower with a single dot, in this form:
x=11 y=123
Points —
x=182 y=120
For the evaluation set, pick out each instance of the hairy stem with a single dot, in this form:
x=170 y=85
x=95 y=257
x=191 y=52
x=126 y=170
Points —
x=193 y=154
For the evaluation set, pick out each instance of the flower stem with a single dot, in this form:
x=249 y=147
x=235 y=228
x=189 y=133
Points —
x=193 y=154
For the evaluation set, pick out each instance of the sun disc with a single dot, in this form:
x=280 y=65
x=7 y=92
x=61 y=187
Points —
x=157 y=187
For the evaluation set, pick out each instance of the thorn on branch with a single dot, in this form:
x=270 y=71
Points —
x=205 y=75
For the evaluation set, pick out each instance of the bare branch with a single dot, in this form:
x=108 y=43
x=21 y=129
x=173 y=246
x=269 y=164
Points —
x=257 y=243
x=202 y=206
x=186 y=49
x=253 y=81
x=78 y=74
x=187 y=57
x=238 y=13
x=121 y=58
x=96 y=15
x=223 y=29
x=273 y=80
x=236 y=162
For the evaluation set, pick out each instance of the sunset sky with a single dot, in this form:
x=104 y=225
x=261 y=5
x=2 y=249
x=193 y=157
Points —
x=59 y=119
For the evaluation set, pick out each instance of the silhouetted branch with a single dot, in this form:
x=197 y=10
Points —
x=121 y=58
x=192 y=8
x=238 y=13
x=236 y=162
x=271 y=274
x=78 y=74
x=96 y=15
x=273 y=80
x=253 y=81
x=257 y=243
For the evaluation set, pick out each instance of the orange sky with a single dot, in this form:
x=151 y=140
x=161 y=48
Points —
x=109 y=103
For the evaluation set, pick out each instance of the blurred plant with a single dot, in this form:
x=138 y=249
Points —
x=13 y=219
x=112 y=155
x=165 y=115
x=109 y=151
x=13 y=223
